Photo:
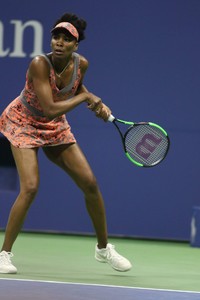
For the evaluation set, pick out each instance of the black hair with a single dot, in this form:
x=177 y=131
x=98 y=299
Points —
x=79 y=23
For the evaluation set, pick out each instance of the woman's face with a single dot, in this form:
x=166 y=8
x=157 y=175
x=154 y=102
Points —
x=63 y=44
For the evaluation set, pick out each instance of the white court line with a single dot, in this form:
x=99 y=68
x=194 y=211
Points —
x=100 y=285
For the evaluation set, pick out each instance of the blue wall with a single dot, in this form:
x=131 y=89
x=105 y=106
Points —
x=144 y=63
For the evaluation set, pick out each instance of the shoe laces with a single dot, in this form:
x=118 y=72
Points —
x=112 y=253
x=5 y=257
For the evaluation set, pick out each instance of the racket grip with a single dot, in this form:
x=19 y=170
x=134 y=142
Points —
x=111 y=118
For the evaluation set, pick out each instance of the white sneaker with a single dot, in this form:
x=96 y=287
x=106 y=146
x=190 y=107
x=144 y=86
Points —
x=6 y=266
x=110 y=256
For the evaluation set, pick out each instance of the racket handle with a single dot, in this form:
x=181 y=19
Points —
x=111 y=118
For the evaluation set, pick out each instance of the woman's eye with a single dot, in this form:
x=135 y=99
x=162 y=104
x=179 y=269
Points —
x=66 y=39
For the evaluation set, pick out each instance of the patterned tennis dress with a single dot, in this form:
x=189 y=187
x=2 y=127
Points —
x=23 y=121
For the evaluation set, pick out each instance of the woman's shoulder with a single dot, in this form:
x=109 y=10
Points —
x=83 y=61
x=39 y=64
x=40 y=59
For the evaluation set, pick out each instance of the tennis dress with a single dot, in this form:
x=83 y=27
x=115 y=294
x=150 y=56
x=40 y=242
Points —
x=23 y=122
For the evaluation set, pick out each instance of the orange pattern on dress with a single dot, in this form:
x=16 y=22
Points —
x=24 y=129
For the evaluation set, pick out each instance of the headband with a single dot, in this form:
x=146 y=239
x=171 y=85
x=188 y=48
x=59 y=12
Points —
x=69 y=27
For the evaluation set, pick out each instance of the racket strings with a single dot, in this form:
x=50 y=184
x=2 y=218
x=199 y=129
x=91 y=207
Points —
x=146 y=144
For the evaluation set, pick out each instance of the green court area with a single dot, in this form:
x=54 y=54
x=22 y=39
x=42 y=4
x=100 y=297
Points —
x=66 y=258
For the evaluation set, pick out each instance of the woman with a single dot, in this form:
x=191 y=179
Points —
x=36 y=119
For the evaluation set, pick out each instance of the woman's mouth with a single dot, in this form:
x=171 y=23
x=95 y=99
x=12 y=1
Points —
x=58 y=51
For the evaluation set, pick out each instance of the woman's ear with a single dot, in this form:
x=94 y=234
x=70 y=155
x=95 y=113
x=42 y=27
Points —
x=76 y=46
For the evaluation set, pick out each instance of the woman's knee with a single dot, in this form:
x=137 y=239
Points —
x=29 y=189
x=90 y=185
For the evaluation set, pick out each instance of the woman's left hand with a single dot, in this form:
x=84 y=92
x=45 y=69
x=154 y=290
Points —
x=103 y=112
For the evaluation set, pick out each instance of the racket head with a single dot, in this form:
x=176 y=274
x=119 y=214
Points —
x=146 y=144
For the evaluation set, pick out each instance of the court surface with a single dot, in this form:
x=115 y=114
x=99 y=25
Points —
x=52 y=266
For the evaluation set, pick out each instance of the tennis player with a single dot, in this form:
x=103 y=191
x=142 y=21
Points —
x=36 y=119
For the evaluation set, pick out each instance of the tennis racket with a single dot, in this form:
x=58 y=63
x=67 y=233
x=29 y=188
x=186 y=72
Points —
x=145 y=144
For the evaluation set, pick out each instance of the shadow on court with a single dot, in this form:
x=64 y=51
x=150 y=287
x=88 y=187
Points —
x=46 y=290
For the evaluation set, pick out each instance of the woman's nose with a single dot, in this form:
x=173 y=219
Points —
x=60 y=41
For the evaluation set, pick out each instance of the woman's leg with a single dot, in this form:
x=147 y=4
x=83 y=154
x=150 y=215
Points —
x=27 y=166
x=71 y=159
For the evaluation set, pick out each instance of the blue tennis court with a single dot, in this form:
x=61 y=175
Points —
x=42 y=290
x=161 y=271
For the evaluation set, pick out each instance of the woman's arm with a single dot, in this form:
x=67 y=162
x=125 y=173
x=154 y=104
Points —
x=39 y=74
